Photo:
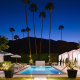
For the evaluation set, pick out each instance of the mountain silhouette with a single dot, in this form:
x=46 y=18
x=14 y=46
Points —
x=21 y=46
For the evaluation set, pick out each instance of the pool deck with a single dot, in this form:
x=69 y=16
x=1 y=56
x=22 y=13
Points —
x=43 y=76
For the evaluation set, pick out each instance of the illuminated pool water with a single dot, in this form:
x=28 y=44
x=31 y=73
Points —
x=41 y=70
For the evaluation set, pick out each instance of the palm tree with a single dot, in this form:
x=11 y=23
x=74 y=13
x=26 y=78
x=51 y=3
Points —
x=16 y=37
x=43 y=16
x=60 y=28
x=24 y=2
x=12 y=30
x=27 y=29
x=23 y=30
x=33 y=8
x=49 y=6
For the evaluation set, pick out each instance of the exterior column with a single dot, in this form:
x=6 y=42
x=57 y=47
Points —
x=77 y=58
x=72 y=56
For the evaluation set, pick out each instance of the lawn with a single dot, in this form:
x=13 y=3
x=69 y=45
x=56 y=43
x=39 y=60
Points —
x=17 y=78
x=20 y=78
x=62 y=78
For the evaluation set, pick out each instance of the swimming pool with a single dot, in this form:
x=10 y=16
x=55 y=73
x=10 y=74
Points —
x=41 y=70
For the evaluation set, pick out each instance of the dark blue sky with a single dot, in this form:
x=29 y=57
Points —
x=66 y=13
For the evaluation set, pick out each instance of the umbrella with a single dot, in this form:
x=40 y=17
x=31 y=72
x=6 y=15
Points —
x=16 y=56
x=5 y=53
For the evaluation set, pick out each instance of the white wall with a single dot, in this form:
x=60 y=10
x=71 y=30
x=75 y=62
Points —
x=71 y=55
x=1 y=58
x=39 y=63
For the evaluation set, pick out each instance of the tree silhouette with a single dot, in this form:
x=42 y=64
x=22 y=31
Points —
x=78 y=44
x=12 y=30
x=33 y=8
x=3 y=43
x=60 y=28
x=23 y=30
x=49 y=6
x=16 y=37
x=27 y=29
x=43 y=16
x=24 y=2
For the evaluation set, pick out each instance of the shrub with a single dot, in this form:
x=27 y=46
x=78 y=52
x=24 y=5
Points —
x=8 y=66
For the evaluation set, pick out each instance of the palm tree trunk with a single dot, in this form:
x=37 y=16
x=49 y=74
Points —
x=12 y=43
x=23 y=34
x=33 y=23
x=41 y=34
x=26 y=13
x=24 y=42
x=49 y=35
x=42 y=26
x=34 y=33
x=61 y=34
x=50 y=22
x=12 y=36
x=36 y=49
x=29 y=45
x=16 y=46
x=26 y=16
x=35 y=46
x=49 y=45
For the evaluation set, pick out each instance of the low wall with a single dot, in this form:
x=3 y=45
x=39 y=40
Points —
x=39 y=63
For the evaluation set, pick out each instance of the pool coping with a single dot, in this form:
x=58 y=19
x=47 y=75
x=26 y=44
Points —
x=38 y=74
x=21 y=70
x=41 y=75
x=60 y=70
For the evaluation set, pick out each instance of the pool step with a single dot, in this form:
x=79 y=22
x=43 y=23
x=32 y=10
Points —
x=40 y=78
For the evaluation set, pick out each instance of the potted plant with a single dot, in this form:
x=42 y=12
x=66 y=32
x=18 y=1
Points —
x=66 y=61
x=31 y=61
x=8 y=69
x=1 y=67
x=71 y=71
x=63 y=62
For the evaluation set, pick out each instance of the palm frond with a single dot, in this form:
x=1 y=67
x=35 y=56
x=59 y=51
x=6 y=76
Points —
x=61 y=27
x=42 y=14
x=27 y=29
x=53 y=7
x=33 y=7
x=39 y=15
x=49 y=6
x=16 y=37
x=12 y=29
x=23 y=30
